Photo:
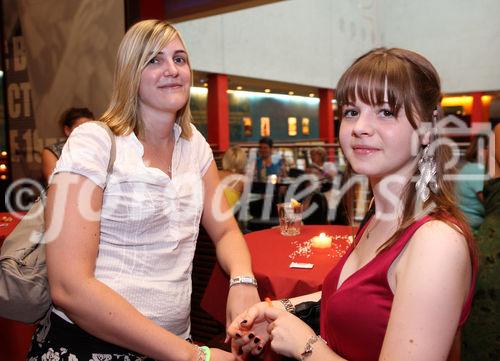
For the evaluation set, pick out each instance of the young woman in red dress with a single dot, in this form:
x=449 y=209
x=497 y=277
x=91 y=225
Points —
x=404 y=289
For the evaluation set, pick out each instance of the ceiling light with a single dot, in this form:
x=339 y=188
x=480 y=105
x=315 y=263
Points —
x=311 y=95
x=267 y=90
x=205 y=85
x=239 y=87
x=291 y=93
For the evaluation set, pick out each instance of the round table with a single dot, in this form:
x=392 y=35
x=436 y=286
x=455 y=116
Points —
x=272 y=254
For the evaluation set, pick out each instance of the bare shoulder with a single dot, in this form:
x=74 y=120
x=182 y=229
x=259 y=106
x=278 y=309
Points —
x=441 y=242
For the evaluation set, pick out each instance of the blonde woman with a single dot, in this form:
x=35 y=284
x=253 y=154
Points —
x=119 y=264
x=231 y=174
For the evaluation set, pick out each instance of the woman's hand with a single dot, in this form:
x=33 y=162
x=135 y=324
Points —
x=288 y=334
x=248 y=331
x=240 y=298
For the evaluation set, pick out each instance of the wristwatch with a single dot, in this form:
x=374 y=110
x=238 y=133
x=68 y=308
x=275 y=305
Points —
x=247 y=280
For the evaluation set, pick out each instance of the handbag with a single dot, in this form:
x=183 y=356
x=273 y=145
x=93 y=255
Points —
x=24 y=288
x=309 y=313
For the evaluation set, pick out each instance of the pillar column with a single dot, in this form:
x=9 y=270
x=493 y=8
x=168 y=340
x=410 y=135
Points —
x=326 y=126
x=477 y=114
x=218 y=111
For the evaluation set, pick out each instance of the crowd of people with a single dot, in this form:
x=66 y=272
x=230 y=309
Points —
x=403 y=290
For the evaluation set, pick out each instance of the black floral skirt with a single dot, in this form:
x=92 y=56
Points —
x=58 y=340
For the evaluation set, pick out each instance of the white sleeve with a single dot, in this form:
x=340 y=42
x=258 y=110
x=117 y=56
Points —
x=205 y=155
x=86 y=152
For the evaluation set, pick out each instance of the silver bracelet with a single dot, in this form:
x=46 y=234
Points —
x=289 y=307
x=246 y=280
x=308 y=349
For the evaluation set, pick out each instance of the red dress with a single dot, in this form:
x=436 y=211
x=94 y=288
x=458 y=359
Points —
x=354 y=318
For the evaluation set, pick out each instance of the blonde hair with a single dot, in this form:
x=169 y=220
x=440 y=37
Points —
x=320 y=151
x=141 y=43
x=234 y=160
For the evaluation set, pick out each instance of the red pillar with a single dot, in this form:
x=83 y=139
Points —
x=152 y=9
x=218 y=111
x=326 y=126
x=477 y=108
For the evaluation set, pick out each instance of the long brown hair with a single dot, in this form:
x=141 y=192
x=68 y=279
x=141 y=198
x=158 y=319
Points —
x=410 y=82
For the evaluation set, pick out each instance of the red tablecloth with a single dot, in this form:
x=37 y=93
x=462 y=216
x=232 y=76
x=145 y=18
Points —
x=15 y=337
x=272 y=254
x=7 y=224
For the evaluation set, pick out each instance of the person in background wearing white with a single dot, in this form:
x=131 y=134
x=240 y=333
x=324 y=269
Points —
x=120 y=273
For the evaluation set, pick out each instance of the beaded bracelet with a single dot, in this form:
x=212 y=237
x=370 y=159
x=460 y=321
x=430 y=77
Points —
x=203 y=353
x=289 y=307
x=308 y=349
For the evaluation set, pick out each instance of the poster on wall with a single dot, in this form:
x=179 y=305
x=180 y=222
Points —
x=292 y=126
x=25 y=144
x=247 y=126
x=265 y=127
x=305 y=126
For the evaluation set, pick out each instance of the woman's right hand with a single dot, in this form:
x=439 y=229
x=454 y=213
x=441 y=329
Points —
x=248 y=331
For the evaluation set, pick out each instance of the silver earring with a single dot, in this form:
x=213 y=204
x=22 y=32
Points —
x=427 y=180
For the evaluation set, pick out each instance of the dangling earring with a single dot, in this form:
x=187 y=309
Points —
x=427 y=168
x=427 y=180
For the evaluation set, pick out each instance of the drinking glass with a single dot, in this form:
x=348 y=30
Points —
x=290 y=217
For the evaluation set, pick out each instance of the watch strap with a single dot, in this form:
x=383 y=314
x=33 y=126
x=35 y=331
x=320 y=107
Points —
x=247 y=280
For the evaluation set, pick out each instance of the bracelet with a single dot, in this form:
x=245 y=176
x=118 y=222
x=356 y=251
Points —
x=247 y=280
x=289 y=307
x=308 y=349
x=203 y=353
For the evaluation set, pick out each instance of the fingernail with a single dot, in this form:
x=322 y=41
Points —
x=257 y=340
x=251 y=335
x=243 y=322
x=238 y=335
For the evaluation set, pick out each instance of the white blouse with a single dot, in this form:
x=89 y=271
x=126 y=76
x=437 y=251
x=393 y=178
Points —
x=149 y=221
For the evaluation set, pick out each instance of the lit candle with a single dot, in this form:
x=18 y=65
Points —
x=321 y=241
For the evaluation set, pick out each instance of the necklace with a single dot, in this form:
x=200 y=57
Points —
x=371 y=227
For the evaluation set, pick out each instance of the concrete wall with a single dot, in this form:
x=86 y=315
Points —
x=306 y=42
x=460 y=37
x=311 y=42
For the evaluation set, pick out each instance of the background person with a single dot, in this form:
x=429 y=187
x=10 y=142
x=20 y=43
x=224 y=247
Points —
x=70 y=119
x=233 y=164
x=267 y=163
x=320 y=165
x=481 y=337
x=470 y=191
x=404 y=288
x=120 y=279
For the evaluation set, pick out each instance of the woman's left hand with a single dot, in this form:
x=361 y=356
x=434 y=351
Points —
x=288 y=334
x=239 y=298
